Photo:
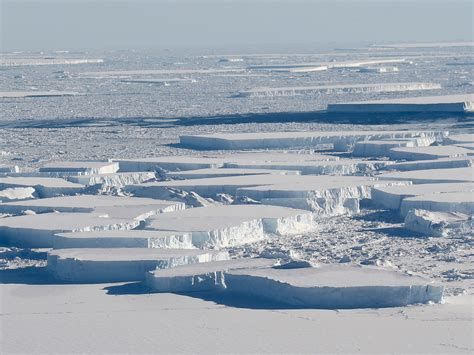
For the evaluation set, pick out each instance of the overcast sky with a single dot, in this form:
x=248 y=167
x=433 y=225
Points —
x=227 y=24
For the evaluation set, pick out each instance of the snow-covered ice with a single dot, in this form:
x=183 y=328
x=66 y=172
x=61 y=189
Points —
x=99 y=265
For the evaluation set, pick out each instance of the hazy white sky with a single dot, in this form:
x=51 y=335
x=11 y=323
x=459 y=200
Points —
x=227 y=24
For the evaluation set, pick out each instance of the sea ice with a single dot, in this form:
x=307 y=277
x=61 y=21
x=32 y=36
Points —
x=99 y=265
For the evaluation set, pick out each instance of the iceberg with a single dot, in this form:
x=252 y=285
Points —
x=333 y=287
x=81 y=167
x=438 y=224
x=44 y=186
x=121 y=264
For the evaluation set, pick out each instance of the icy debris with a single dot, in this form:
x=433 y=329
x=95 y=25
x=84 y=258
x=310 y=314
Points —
x=113 y=180
x=438 y=224
x=462 y=202
x=230 y=225
x=336 y=89
x=428 y=153
x=98 y=265
x=432 y=176
x=334 y=167
x=333 y=286
x=189 y=198
x=220 y=172
x=391 y=197
x=123 y=239
x=442 y=163
x=37 y=230
x=460 y=138
x=81 y=167
x=378 y=69
x=13 y=62
x=447 y=103
x=383 y=148
x=200 y=277
x=24 y=94
x=44 y=186
x=341 y=141
x=17 y=193
x=9 y=168
x=113 y=206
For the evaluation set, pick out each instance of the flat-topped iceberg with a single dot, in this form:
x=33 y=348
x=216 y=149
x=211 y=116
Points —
x=81 y=167
x=446 y=103
x=121 y=264
x=333 y=287
x=37 y=230
x=439 y=224
x=341 y=141
x=44 y=186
